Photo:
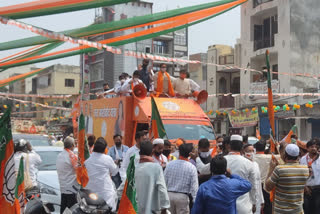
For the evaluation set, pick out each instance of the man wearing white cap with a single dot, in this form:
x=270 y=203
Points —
x=289 y=181
x=158 y=146
x=243 y=167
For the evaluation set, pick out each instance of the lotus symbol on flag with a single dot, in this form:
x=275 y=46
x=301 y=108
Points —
x=9 y=180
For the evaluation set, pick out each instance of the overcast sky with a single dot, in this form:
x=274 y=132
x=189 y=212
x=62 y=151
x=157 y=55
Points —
x=223 y=29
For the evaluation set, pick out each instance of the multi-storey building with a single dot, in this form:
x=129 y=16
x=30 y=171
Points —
x=290 y=30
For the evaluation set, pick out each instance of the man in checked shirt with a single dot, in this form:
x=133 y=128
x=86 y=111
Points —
x=182 y=181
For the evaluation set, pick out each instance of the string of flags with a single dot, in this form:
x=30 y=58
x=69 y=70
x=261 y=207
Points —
x=98 y=45
x=264 y=109
x=27 y=103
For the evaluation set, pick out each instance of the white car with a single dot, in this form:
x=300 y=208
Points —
x=47 y=175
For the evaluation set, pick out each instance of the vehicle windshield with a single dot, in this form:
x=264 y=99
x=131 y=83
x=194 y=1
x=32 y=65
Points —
x=48 y=160
x=34 y=140
x=189 y=131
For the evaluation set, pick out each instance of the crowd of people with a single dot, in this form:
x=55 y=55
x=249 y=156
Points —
x=160 y=83
x=230 y=176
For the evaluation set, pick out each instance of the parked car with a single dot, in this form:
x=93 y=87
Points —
x=34 y=139
x=47 y=176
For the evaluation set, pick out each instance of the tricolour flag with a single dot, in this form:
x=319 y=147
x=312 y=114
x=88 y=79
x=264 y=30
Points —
x=270 y=103
x=19 y=190
x=157 y=129
x=83 y=154
x=7 y=168
x=292 y=131
x=128 y=203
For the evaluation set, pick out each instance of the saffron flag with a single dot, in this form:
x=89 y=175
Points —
x=270 y=103
x=128 y=203
x=258 y=134
x=83 y=154
x=292 y=131
x=19 y=190
x=7 y=168
x=157 y=128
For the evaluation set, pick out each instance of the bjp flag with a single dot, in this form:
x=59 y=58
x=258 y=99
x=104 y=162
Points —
x=83 y=154
x=7 y=168
x=19 y=190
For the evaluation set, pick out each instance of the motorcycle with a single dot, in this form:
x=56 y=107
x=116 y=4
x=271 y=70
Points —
x=89 y=203
x=35 y=205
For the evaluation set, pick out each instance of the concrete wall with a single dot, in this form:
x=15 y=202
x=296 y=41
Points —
x=305 y=43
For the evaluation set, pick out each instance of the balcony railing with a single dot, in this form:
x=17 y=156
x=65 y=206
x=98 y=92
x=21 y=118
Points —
x=226 y=102
x=258 y=2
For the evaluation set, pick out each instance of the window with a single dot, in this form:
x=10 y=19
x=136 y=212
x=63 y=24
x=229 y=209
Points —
x=160 y=47
x=222 y=85
x=189 y=131
x=49 y=79
x=258 y=2
x=96 y=71
x=67 y=104
x=264 y=34
x=229 y=59
x=69 y=83
x=275 y=69
x=148 y=50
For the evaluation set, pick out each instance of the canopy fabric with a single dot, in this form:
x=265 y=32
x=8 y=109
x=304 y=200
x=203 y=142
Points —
x=13 y=79
x=48 y=7
x=135 y=22
x=179 y=22
x=153 y=33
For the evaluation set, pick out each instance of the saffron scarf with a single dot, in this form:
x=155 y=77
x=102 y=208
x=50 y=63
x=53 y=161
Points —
x=159 y=89
x=73 y=158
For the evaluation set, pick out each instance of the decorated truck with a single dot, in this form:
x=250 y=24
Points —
x=182 y=118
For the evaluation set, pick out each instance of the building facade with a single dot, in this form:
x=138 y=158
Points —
x=290 y=31
x=57 y=80
x=221 y=82
x=102 y=66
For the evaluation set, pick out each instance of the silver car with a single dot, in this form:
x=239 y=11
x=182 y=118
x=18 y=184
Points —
x=47 y=176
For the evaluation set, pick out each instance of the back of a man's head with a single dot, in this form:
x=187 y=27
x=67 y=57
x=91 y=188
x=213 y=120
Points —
x=218 y=165
x=91 y=140
x=146 y=148
x=185 y=149
x=68 y=142
x=100 y=145
x=204 y=143
x=139 y=134
x=260 y=146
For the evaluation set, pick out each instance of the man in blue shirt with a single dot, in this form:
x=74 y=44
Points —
x=219 y=194
x=117 y=153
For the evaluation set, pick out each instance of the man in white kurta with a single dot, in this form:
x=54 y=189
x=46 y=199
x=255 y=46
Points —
x=249 y=153
x=100 y=168
x=152 y=195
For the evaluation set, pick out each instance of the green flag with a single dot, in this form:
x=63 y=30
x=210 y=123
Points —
x=157 y=128
x=128 y=203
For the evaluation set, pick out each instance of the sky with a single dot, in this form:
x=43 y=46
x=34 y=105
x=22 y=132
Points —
x=223 y=29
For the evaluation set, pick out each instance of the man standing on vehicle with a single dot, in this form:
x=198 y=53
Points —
x=146 y=74
x=100 y=166
x=129 y=84
x=117 y=152
x=181 y=85
x=66 y=169
x=163 y=82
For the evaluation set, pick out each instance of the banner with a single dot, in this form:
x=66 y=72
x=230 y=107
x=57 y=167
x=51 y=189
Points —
x=243 y=119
